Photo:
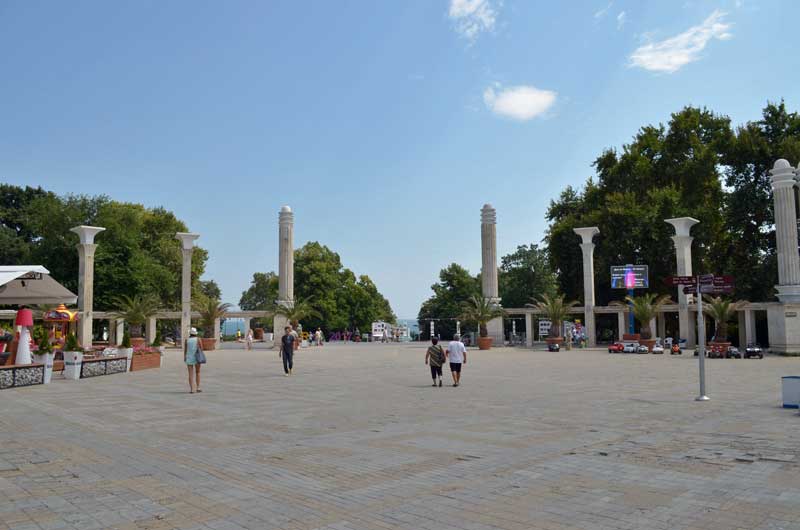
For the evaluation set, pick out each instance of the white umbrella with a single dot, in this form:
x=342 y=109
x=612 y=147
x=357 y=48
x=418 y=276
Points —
x=31 y=285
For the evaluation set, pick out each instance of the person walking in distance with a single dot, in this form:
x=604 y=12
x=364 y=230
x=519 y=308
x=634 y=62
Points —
x=457 y=355
x=287 y=350
x=435 y=358
x=193 y=356
x=249 y=339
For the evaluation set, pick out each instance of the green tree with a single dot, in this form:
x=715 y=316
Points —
x=456 y=287
x=480 y=311
x=210 y=289
x=524 y=274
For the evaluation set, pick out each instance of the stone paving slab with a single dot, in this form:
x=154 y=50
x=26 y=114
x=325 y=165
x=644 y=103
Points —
x=357 y=440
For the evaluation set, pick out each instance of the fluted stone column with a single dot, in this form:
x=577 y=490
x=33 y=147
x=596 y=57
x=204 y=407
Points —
x=86 y=249
x=683 y=254
x=587 y=248
x=782 y=319
x=120 y=332
x=285 y=268
x=620 y=325
x=112 y=332
x=529 y=330
x=187 y=248
x=489 y=269
x=150 y=330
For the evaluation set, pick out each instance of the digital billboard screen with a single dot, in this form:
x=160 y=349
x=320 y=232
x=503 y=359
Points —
x=629 y=277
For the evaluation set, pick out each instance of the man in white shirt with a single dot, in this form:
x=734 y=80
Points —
x=456 y=355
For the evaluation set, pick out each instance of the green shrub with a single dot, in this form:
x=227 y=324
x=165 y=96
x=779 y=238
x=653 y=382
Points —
x=126 y=339
x=71 y=344
x=157 y=340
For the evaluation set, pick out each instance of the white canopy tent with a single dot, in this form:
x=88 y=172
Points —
x=31 y=285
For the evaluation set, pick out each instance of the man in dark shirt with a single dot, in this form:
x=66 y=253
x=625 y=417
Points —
x=287 y=350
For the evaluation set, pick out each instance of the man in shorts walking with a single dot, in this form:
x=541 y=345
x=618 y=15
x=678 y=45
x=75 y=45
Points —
x=457 y=355
x=287 y=350
x=435 y=358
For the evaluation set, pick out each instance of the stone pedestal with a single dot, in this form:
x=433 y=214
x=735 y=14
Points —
x=86 y=249
x=783 y=321
x=587 y=249
x=683 y=255
x=187 y=248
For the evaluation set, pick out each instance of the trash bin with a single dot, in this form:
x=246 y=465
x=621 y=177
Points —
x=791 y=391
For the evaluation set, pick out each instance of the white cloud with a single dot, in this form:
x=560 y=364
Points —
x=602 y=12
x=472 y=17
x=521 y=103
x=621 y=19
x=672 y=54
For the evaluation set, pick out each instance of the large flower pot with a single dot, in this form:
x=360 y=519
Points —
x=47 y=360
x=484 y=343
x=72 y=364
x=208 y=344
x=631 y=337
x=649 y=343
x=258 y=334
x=554 y=340
x=145 y=361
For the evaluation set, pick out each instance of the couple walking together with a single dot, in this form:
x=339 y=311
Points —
x=456 y=353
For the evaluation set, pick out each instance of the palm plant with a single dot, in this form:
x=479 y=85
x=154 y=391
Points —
x=645 y=308
x=556 y=310
x=481 y=310
x=210 y=310
x=135 y=311
x=296 y=311
x=722 y=311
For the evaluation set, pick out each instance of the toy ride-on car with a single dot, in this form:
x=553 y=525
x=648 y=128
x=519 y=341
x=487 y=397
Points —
x=617 y=347
x=630 y=347
x=641 y=348
x=554 y=347
x=734 y=353
x=753 y=350
x=658 y=348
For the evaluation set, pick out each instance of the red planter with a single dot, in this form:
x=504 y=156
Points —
x=631 y=337
x=138 y=342
x=484 y=343
x=258 y=334
x=554 y=340
x=208 y=344
x=145 y=361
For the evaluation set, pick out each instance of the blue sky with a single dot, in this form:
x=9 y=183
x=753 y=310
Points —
x=385 y=125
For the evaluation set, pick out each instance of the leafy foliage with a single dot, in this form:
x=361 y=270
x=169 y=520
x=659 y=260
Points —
x=722 y=311
x=71 y=343
x=338 y=299
x=456 y=287
x=296 y=312
x=555 y=309
x=645 y=308
x=135 y=310
x=481 y=311
x=210 y=310
x=126 y=339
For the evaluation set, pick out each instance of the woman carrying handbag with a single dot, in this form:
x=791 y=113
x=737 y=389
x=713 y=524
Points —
x=194 y=357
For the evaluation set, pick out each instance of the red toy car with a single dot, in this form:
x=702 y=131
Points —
x=617 y=347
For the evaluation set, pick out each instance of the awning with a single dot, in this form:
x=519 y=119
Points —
x=31 y=285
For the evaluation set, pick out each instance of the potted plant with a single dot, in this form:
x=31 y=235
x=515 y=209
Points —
x=126 y=349
x=645 y=308
x=73 y=357
x=722 y=311
x=482 y=310
x=556 y=310
x=210 y=310
x=145 y=357
x=135 y=311
x=294 y=313
x=44 y=354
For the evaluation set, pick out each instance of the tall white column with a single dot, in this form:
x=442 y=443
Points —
x=587 y=248
x=285 y=268
x=683 y=255
x=529 y=330
x=783 y=183
x=217 y=323
x=150 y=330
x=120 y=332
x=489 y=287
x=620 y=325
x=187 y=247
x=662 y=326
x=86 y=249
x=112 y=332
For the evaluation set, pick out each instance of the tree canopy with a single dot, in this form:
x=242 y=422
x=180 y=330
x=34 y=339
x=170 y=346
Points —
x=137 y=254
x=340 y=300
x=698 y=166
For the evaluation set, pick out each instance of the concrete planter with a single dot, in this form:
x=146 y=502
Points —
x=72 y=364
x=484 y=343
x=45 y=359
x=790 y=386
x=128 y=353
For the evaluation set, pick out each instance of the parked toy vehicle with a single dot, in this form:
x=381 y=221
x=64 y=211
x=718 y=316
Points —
x=753 y=350
x=641 y=348
x=554 y=347
x=734 y=353
x=630 y=347
x=617 y=347
x=658 y=348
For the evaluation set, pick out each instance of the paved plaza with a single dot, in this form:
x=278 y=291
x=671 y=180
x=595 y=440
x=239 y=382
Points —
x=357 y=439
